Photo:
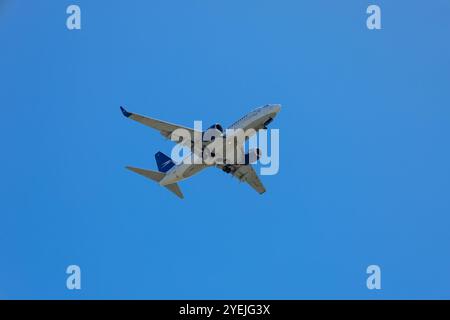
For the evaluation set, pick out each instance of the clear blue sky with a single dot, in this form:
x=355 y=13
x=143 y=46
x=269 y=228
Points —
x=364 y=174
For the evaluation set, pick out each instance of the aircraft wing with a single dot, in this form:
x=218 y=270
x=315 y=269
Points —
x=247 y=174
x=165 y=128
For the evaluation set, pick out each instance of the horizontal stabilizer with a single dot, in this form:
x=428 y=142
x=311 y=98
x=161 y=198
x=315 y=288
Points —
x=153 y=175
x=157 y=177
x=175 y=188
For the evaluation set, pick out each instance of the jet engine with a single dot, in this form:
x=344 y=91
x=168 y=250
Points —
x=252 y=156
x=214 y=131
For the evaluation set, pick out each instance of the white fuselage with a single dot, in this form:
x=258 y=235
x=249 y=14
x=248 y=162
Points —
x=254 y=120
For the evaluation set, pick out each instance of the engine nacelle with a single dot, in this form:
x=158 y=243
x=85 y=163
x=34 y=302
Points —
x=252 y=156
x=216 y=130
x=217 y=126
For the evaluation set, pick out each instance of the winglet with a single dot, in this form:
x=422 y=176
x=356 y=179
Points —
x=125 y=112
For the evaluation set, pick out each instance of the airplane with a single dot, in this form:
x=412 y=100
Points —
x=169 y=173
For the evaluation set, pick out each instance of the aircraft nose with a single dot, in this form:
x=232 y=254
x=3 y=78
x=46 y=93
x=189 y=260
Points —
x=276 y=108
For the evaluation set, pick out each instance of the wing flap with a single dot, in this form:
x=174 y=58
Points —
x=246 y=173
x=167 y=129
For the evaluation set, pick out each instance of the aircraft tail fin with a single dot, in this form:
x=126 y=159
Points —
x=164 y=162
x=157 y=177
